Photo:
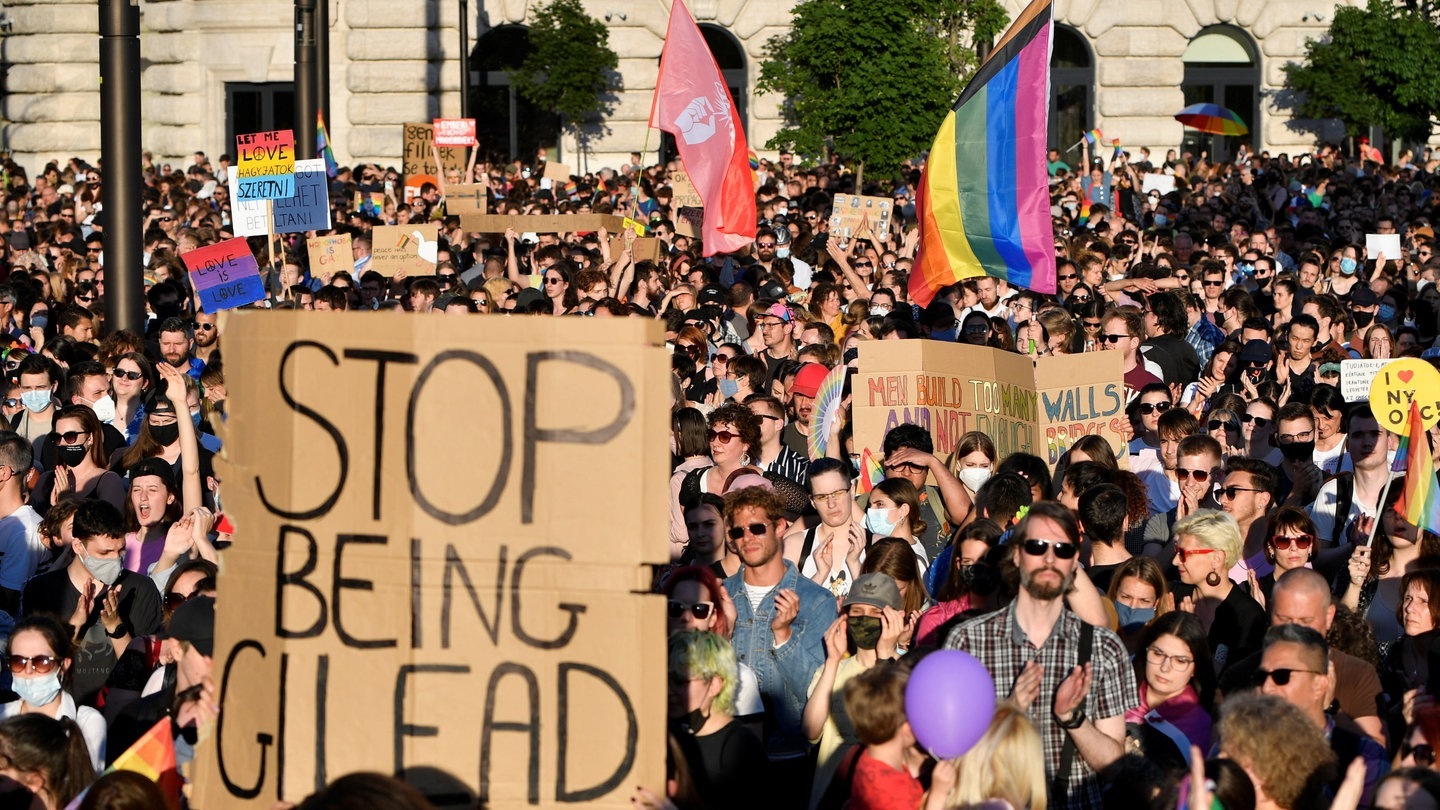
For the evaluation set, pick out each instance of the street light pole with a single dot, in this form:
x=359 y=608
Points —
x=120 y=152
x=305 y=79
x=465 y=61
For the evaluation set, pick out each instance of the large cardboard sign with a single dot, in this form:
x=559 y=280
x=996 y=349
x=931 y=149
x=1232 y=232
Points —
x=418 y=162
x=951 y=389
x=330 y=254
x=307 y=210
x=466 y=198
x=437 y=580
x=409 y=249
x=683 y=193
x=266 y=165
x=225 y=275
x=851 y=215
x=547 y=223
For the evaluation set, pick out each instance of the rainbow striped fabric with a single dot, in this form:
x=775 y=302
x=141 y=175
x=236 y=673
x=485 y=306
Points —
x=1419 y=500
x=1093 y=137
x=985 y=199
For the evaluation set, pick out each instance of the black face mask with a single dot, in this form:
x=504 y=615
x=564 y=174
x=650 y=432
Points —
x=694 y=720
x=864 y=631
x=1363 y=319
x=1262 y=283
x=165 y=434
x=71 y=455
x=1298 y=451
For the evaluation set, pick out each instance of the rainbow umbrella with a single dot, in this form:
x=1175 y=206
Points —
x=1212 y=118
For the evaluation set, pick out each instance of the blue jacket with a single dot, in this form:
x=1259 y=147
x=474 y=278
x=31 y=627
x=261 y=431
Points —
x=784 y=672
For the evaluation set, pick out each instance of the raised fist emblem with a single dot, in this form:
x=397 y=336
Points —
x=697 y=121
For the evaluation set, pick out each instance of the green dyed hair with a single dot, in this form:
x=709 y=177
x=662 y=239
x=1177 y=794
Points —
x=702 y=654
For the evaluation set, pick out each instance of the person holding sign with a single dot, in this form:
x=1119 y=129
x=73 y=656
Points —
x=1375 y=573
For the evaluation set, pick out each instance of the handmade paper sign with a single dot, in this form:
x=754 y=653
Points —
x=266 y=165
x=454 y=131
x=225 y=275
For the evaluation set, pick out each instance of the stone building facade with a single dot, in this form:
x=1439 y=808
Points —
x=215 y=67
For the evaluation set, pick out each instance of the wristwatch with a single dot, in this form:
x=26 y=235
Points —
x=1077 y=719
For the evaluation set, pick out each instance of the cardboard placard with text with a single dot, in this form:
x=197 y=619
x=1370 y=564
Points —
x=409 y=249
x=689 y=221
x=851 y=214
x=466 y=198
x=330 y=254
x=682 y=191
x=541 y=223
x=953 y=388
x=418 y=162
x=486 y=636
x=307 y=210
x=645 y=248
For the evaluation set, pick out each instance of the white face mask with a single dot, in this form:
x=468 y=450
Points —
x=975 y=477
x=104 y=407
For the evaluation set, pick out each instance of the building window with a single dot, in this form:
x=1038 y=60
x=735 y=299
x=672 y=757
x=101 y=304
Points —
x=1072 y=88
x=251 y=107
x=507 y=126
x=1222 y=66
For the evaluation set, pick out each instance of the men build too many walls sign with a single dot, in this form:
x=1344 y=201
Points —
x=484 y=635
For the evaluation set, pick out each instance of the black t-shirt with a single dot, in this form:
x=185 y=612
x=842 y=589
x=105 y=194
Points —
x=1102 y=574
x=729 y=760
x=56 y=595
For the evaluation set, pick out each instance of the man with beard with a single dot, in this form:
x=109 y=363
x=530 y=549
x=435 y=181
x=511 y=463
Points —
x=175 y=345
x=207 y=336
x=1075 y=693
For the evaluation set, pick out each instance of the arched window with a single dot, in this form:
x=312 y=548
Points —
x=1222 y=66
x=1072 y=88
x=507 y=126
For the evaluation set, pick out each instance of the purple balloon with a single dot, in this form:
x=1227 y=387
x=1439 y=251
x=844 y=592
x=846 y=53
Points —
x=949 y=702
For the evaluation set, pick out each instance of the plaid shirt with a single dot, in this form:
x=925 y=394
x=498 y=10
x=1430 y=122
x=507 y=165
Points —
x=1001 y=645
x=1203 y=337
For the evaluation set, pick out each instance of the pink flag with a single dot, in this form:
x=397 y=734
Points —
x=693 y=104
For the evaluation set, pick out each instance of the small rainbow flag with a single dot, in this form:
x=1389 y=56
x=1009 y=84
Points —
x=322 y=146
x=754 y=160
x=153 y=757
x=1093 y=137
x=1118 y=151
x=569 y=187
x=871 y=473
x=1419 y=500
x=984 y=201
x=371 y=203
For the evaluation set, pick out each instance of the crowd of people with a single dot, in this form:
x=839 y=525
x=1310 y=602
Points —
x=1228 y=608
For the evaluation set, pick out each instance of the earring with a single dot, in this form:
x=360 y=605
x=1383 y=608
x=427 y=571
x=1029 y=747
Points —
x=1212 y=579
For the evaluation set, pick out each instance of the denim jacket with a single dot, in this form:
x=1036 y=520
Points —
x=784 y=672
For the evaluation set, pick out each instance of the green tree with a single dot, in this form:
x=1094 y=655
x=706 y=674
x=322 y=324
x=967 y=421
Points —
x=871 y=80
x=569 y=67
x=1377 y=65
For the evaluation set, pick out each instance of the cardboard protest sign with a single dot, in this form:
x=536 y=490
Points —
x=409 y=249
x=541 y=223
x=225 y=275
x=646 y=248
x=308 y=209
x=266 y=165
x=688 y=221
x=952 y=388
x=556 y=171
x=487 y=636
x=851 y=214
x=454 y=131
x=1356 y=376
x=330 y=254
x=683 y=192
x=247 y=217
x=466 y=198
x=418 y=162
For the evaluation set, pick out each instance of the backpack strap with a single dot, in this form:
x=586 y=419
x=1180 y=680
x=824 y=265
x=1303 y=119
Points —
x=1060 y=785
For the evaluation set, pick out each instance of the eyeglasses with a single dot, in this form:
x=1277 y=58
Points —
x=1186 y=553
x=1158 y=658
x=1424 y=755
x=84 y=298
x=11 y=402
x=723 y=436
x=755 y=529
x=906 y=466
x=700 y=610
x=771 y=324
x=40 y=664
x=829 y=497
x=1068 y=277
x=174 y=600
x=1280 y=676
x=549 y=280
x=1091 y=326
x=71 y=436
x=1291 y=438
x=1301 y=541
x=1147 y=408
x=1111 y=338
x=866 y=265
x=1229 y=493
x=1200 y=476
x=764 y=245
x=128 y=375
x=203 y=327
x=1208 y=283
x=1216 y=424
x=1063 y=549
x=1259 y=421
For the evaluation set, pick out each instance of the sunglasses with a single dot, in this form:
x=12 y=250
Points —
x=1091 y=326
x=203 y=327
x=1216 y=424
x=1147 y=408
x=11 y=402
x=128 y=375
x=71 y=436
x=40 y=664
x=552 y=280
x=1068 y=277
x=84 y=298
x=1301 y=541
x=1081 y=299
x=756 y=529
x=763 y=245
x=1280 y=676
x=1200 y=476
x=1208 y=283
x=1229 y=493
x=723 y=436
x=1259 y=421
x=1424 y=755
x=864 y=264
x=700 y=610
x=1063 y=549
x=174 y=600
x=1185 y=554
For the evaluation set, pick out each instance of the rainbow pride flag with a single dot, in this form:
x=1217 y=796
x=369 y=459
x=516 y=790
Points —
x=1419 y=500
x=871 y=472
x=1118 y=150
x=153 y=757
x=322 y=146
x=1093 y=137
x=984 y=200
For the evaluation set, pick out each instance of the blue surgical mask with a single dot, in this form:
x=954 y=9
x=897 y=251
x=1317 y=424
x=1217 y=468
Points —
x=1246 y=268
x=1133 y=618
x=40 y=320
x=946 y=335
x=729 y=388
x=879 y=523
x=782 y=252
x=35 y=401
x=1161 y=220
x=1387 y=312
x=1347 y=266
x=195 y=418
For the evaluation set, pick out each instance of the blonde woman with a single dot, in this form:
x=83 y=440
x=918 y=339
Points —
x=1207 y=545
x=1005 y=770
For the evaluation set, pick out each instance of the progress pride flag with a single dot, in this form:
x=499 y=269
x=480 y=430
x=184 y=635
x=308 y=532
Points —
x=693 y=104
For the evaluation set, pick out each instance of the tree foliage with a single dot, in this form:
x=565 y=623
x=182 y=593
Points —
x=569 y=66
x=1377 y=65
x=871 y=80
